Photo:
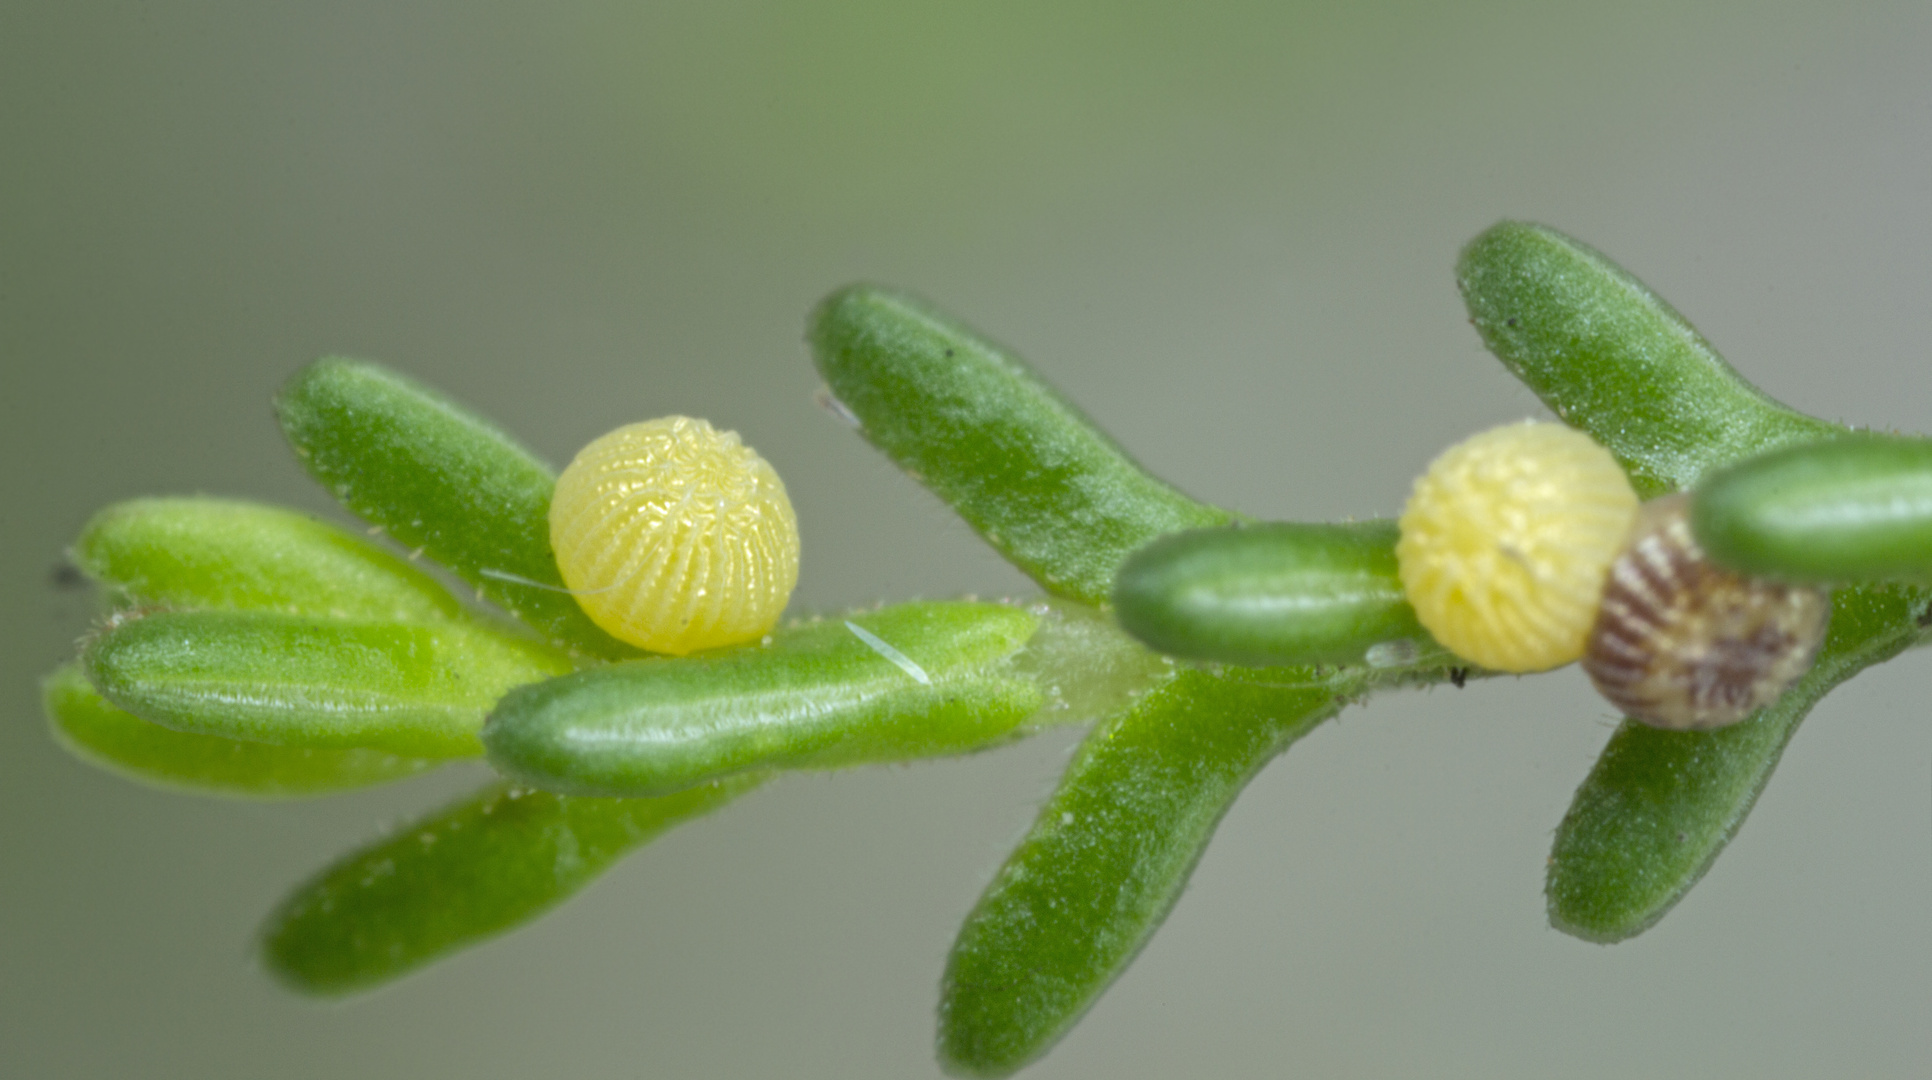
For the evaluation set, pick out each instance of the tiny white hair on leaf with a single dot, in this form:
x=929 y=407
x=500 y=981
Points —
x=898 y=659
x=517 y=579
x=831 y=404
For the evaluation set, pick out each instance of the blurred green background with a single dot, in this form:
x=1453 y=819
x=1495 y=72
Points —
x=1225 y=229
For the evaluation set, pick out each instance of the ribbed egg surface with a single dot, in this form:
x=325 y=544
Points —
x=1506 y=540
x=1683 y=643
x=675 y=536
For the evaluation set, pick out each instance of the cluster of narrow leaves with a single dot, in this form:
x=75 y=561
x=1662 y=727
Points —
x=258 y=653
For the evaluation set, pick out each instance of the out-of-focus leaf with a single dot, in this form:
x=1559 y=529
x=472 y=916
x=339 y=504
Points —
x=473 y=870
x=223 y=554
x=120 y=742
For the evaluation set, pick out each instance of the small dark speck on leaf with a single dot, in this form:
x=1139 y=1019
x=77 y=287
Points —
x=1509 y=322
x=66 y=575
x=1925 y=617
x=1458 y=676
x=1681 y=837
x=949 y=354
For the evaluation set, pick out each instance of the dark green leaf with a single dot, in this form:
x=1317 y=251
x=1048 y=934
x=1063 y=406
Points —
x=1856 y=509
x=1272 y=594
x=1045 y=487
x=1108 y=857
x=458 y=877
x=929 y=681
x=1660 y=805
x=437 y=477
x=1610 y=358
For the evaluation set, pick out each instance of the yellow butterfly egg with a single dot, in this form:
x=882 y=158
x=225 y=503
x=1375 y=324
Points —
x=675 y=536
x=1506 y=542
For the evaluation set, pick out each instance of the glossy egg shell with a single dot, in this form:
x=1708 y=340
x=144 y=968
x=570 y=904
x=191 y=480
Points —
x=675 y=536
x=1505 y=542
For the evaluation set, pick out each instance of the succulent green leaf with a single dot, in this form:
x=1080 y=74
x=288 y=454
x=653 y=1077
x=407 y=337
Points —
x=414 y=689
x=98 y=733
x=1660 y=805
x=1613 y=360
x=224 y=554
x=1854 y=509
x=1108 y=856
x=910 y=681
x=475 y=869
x=1045 y=487
x=439 y=478
x=1272 y=594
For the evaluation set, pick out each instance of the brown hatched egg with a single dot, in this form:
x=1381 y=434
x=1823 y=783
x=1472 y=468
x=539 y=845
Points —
x=1685 y=644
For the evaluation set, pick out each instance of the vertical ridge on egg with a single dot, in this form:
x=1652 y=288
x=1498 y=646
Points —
x=675 y=536
x=1505 y=541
